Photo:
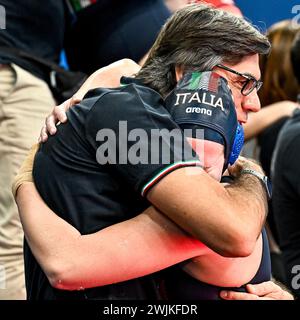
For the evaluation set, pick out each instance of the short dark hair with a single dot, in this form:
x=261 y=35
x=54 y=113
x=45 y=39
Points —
x=198 y=37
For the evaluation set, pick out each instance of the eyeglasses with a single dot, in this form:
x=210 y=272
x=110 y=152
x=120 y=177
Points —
x=250 y=83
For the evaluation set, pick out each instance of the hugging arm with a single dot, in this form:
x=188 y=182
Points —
x=134 y=248
x=151 y=241
x=233 y=216
x=65 y=255
x=139 y=246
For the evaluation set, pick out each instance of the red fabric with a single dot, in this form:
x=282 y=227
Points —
x=227 y=5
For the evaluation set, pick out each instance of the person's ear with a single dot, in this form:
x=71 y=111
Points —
x=178 y=72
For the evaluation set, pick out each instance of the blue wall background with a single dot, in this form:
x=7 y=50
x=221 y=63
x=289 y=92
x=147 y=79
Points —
x=263 y=13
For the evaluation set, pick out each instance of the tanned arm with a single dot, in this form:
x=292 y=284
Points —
x=149 y=242
x=227 y=219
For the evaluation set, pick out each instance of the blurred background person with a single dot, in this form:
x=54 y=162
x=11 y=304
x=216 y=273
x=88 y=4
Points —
x=109 y=30
x=279 y=93
x=286 y=187
x=280 y=84
x=25 y=100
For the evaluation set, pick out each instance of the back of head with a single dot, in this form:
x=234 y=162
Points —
x=198 y=37
x=277 y=72
x=295 y=57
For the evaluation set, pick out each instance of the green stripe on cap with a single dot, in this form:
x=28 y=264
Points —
x=196 y=77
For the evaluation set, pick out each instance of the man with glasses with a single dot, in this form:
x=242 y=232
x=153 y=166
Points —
x=248 y=81
x=227 y=220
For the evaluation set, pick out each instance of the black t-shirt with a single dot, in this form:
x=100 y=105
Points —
x=71 y=179
x=35 y=27
x=286 y=193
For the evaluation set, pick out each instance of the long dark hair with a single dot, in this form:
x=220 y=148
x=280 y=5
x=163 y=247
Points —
x=278 y=77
